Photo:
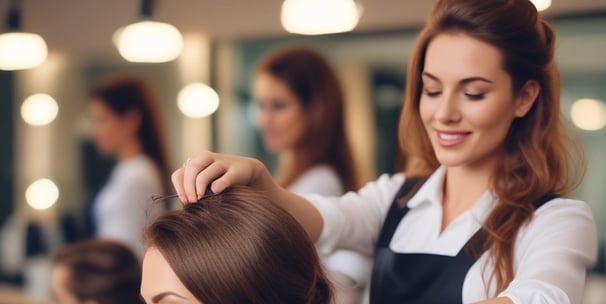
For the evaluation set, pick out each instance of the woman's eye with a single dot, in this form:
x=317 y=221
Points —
x=278 y=105
x=432 y=93
x=474 y=96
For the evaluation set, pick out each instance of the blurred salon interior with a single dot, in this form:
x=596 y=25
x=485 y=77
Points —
x=66 y=147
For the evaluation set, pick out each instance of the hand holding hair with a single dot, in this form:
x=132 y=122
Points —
x=217 y=172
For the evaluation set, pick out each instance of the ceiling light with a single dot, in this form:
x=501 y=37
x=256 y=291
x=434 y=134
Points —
x=39 y=109
x=42 y=194
x=588 y=114
x=317 y=17
x=148 y=41
x=20 y=50
x=198 y=100
x=541 y=5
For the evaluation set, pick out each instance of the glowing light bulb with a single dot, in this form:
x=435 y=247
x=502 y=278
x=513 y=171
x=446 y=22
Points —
x=541 y=5
x=149 y=41
x=317 y=17
x=20 y=51
x=198 y=100
x=42 y=194
x=588 y=114
x=39 y=109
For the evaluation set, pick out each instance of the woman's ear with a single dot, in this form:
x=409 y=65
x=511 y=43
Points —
x=527 y=97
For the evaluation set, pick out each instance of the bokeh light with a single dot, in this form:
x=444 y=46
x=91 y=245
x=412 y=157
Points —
x=588 y=114
x=198 y=100
x=42 y=194
x=39 y=109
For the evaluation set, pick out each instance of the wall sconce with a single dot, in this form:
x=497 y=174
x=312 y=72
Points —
x=20 y=50
x=147 y=40
x=318 y=17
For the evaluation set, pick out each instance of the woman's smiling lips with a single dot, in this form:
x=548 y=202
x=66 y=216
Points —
x=451 y=138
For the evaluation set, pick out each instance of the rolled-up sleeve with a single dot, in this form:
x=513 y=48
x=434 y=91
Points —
x=552 y=254
x=353 y=221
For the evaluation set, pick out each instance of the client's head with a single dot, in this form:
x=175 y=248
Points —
x=95 y=272
x=230 y=248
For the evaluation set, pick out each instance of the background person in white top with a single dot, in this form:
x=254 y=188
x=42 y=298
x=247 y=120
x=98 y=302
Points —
x=481 y=121
x=127 y=127
x=300 y=116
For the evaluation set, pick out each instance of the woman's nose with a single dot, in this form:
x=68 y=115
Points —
x=263 y=118
x=448 y=111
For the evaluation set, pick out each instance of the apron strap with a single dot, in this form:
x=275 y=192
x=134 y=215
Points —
x=398 y=209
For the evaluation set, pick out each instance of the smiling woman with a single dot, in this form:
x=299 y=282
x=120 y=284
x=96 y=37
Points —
x=480 y=214
x=236 y=247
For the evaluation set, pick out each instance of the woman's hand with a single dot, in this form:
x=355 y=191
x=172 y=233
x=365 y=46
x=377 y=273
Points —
x=217 y=172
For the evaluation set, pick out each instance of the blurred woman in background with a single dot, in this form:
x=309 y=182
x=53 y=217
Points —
x=232 y=248
x=95 y=272
x=127 y=127
x=301 y=117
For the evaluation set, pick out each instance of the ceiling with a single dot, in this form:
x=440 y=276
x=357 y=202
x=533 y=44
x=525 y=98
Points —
x=86 y=26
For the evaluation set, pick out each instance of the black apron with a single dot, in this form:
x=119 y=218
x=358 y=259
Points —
x=408 y=278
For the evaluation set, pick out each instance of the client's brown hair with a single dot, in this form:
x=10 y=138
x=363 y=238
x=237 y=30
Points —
x=239 y=247
x=104 y=271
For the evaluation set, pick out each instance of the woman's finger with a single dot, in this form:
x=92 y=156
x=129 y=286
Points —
x=177 y=179
x=206 y=177
x=192 y=169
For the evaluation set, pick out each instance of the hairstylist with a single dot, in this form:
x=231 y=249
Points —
x=480 y=213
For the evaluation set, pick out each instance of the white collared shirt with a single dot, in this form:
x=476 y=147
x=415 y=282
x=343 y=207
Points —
x=550 y=257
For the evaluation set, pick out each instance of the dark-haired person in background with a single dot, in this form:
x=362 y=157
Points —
x=232 y=248
x=127 y=126
x=301 y=118
x=95 y=271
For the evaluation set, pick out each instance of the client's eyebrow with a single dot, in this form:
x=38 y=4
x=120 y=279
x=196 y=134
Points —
x=157 y=298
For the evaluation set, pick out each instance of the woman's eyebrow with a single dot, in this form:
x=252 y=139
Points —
x=157 y=298
x=462 y=81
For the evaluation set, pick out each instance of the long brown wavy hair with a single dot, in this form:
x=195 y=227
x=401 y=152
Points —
x=538 y=151
x=309 y=76
x=239 y=247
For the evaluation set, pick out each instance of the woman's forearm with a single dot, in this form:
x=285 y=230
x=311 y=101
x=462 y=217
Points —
x=302 y=210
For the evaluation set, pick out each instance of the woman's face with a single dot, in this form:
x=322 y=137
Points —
x=281 y=116
x=110 y=131
x=160 y=284
x=59 y=289
x=467 y=104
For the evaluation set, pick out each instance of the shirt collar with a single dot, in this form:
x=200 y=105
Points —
x=432 y=190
